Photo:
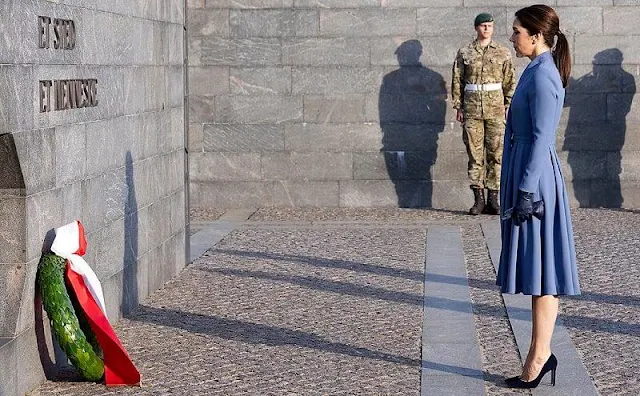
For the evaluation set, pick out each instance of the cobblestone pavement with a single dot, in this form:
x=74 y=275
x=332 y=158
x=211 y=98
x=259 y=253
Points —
x=287 y=311
x=604 y=322
x=363 y=214
x=305 y=307
x=202 y=214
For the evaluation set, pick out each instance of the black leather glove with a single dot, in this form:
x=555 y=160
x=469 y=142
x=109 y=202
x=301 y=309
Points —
x=524 y=207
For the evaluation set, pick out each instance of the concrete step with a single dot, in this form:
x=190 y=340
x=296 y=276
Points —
x=451 y=362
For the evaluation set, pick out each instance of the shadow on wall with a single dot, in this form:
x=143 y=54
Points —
x=11 y=175
x=412 y=107
x=130 y=298
x=594 y=147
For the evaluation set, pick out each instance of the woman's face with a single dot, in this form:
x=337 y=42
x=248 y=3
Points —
x=522 y=40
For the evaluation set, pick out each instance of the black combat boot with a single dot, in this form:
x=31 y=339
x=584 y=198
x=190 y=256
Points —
x=478 y=206
x=492 y=207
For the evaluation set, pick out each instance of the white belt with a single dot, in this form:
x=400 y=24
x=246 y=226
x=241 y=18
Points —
x=483 y=87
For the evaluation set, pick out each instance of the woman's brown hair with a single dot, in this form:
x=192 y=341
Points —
x=543 y=19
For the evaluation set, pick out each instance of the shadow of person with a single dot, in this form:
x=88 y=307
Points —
x=130 y=294
x=594 y=146
x=412 y=109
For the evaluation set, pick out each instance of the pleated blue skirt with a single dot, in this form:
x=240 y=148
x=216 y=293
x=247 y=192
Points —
x=537 y=258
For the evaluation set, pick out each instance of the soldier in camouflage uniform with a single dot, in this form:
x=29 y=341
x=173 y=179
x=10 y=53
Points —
x=482 y=86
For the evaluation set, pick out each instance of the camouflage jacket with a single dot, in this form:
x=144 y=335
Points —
x=475 y=65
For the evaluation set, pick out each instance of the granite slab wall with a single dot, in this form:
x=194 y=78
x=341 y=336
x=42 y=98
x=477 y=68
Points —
x=116 y=162
x=305 y=103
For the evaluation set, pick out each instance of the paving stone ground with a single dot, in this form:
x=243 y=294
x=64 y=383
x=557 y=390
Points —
x=329 y=301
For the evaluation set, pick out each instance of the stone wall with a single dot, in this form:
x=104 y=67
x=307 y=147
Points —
x=117 y=166
x=303 y=102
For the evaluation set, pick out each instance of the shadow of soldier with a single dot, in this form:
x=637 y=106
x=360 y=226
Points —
x=412 y=113
x=596 y=128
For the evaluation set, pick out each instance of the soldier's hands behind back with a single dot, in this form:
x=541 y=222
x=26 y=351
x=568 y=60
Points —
x=524 y=207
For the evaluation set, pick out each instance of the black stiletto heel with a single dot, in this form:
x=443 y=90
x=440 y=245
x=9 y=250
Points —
x=550 y=365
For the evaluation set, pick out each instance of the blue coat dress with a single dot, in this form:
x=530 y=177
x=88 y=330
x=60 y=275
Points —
x=537 y=258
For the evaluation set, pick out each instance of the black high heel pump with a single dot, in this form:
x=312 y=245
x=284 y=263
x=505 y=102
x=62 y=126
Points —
x=550 y=365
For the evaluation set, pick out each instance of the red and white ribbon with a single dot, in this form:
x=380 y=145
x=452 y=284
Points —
x=70 y=243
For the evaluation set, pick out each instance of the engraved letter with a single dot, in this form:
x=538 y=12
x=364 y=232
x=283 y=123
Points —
x=44 y=105
x=94 y=92
x=56 y=33
x=72 y=35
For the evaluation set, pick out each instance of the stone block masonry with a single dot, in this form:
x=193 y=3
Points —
x=91 y=128
x=310 y=94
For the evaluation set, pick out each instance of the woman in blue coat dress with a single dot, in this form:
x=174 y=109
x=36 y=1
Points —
x=538 y=255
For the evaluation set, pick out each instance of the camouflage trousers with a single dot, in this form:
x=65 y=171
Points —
x=484 y=141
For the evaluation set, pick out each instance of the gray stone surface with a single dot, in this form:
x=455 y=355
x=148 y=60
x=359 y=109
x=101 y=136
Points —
x=12 y=229
x=103 y=165
x=259 y=81
x=243 y=138
x=240 y=52
x=273 y=23
x=367 y=22
x=225 y=194
x=419 y=3
x=305 y=193
x=29 y=362
x=341 y=51
x=374 y=193
x=309 y=137
x=16 y=114
x=587 y=46
x=225 y=166
x=12 y=278
x=331 y=81
x=616 y=109
x=588 y=2
x=582 y=20
x=379 y=166
x=307 y=166
x=202 y=109
x=38 y=175
x=243 y=3
x=42 y=212
x=26 y=307
x=334 y=109
x=437 y=21
x=208 y=22
x=69 y=140
x=273 y=109
x=443 y=304
x=335 y=3
x=620 y=21
x=451 y=194
x=209 y=80
x=8 y=378
x=195 y=135
x=592 y=107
